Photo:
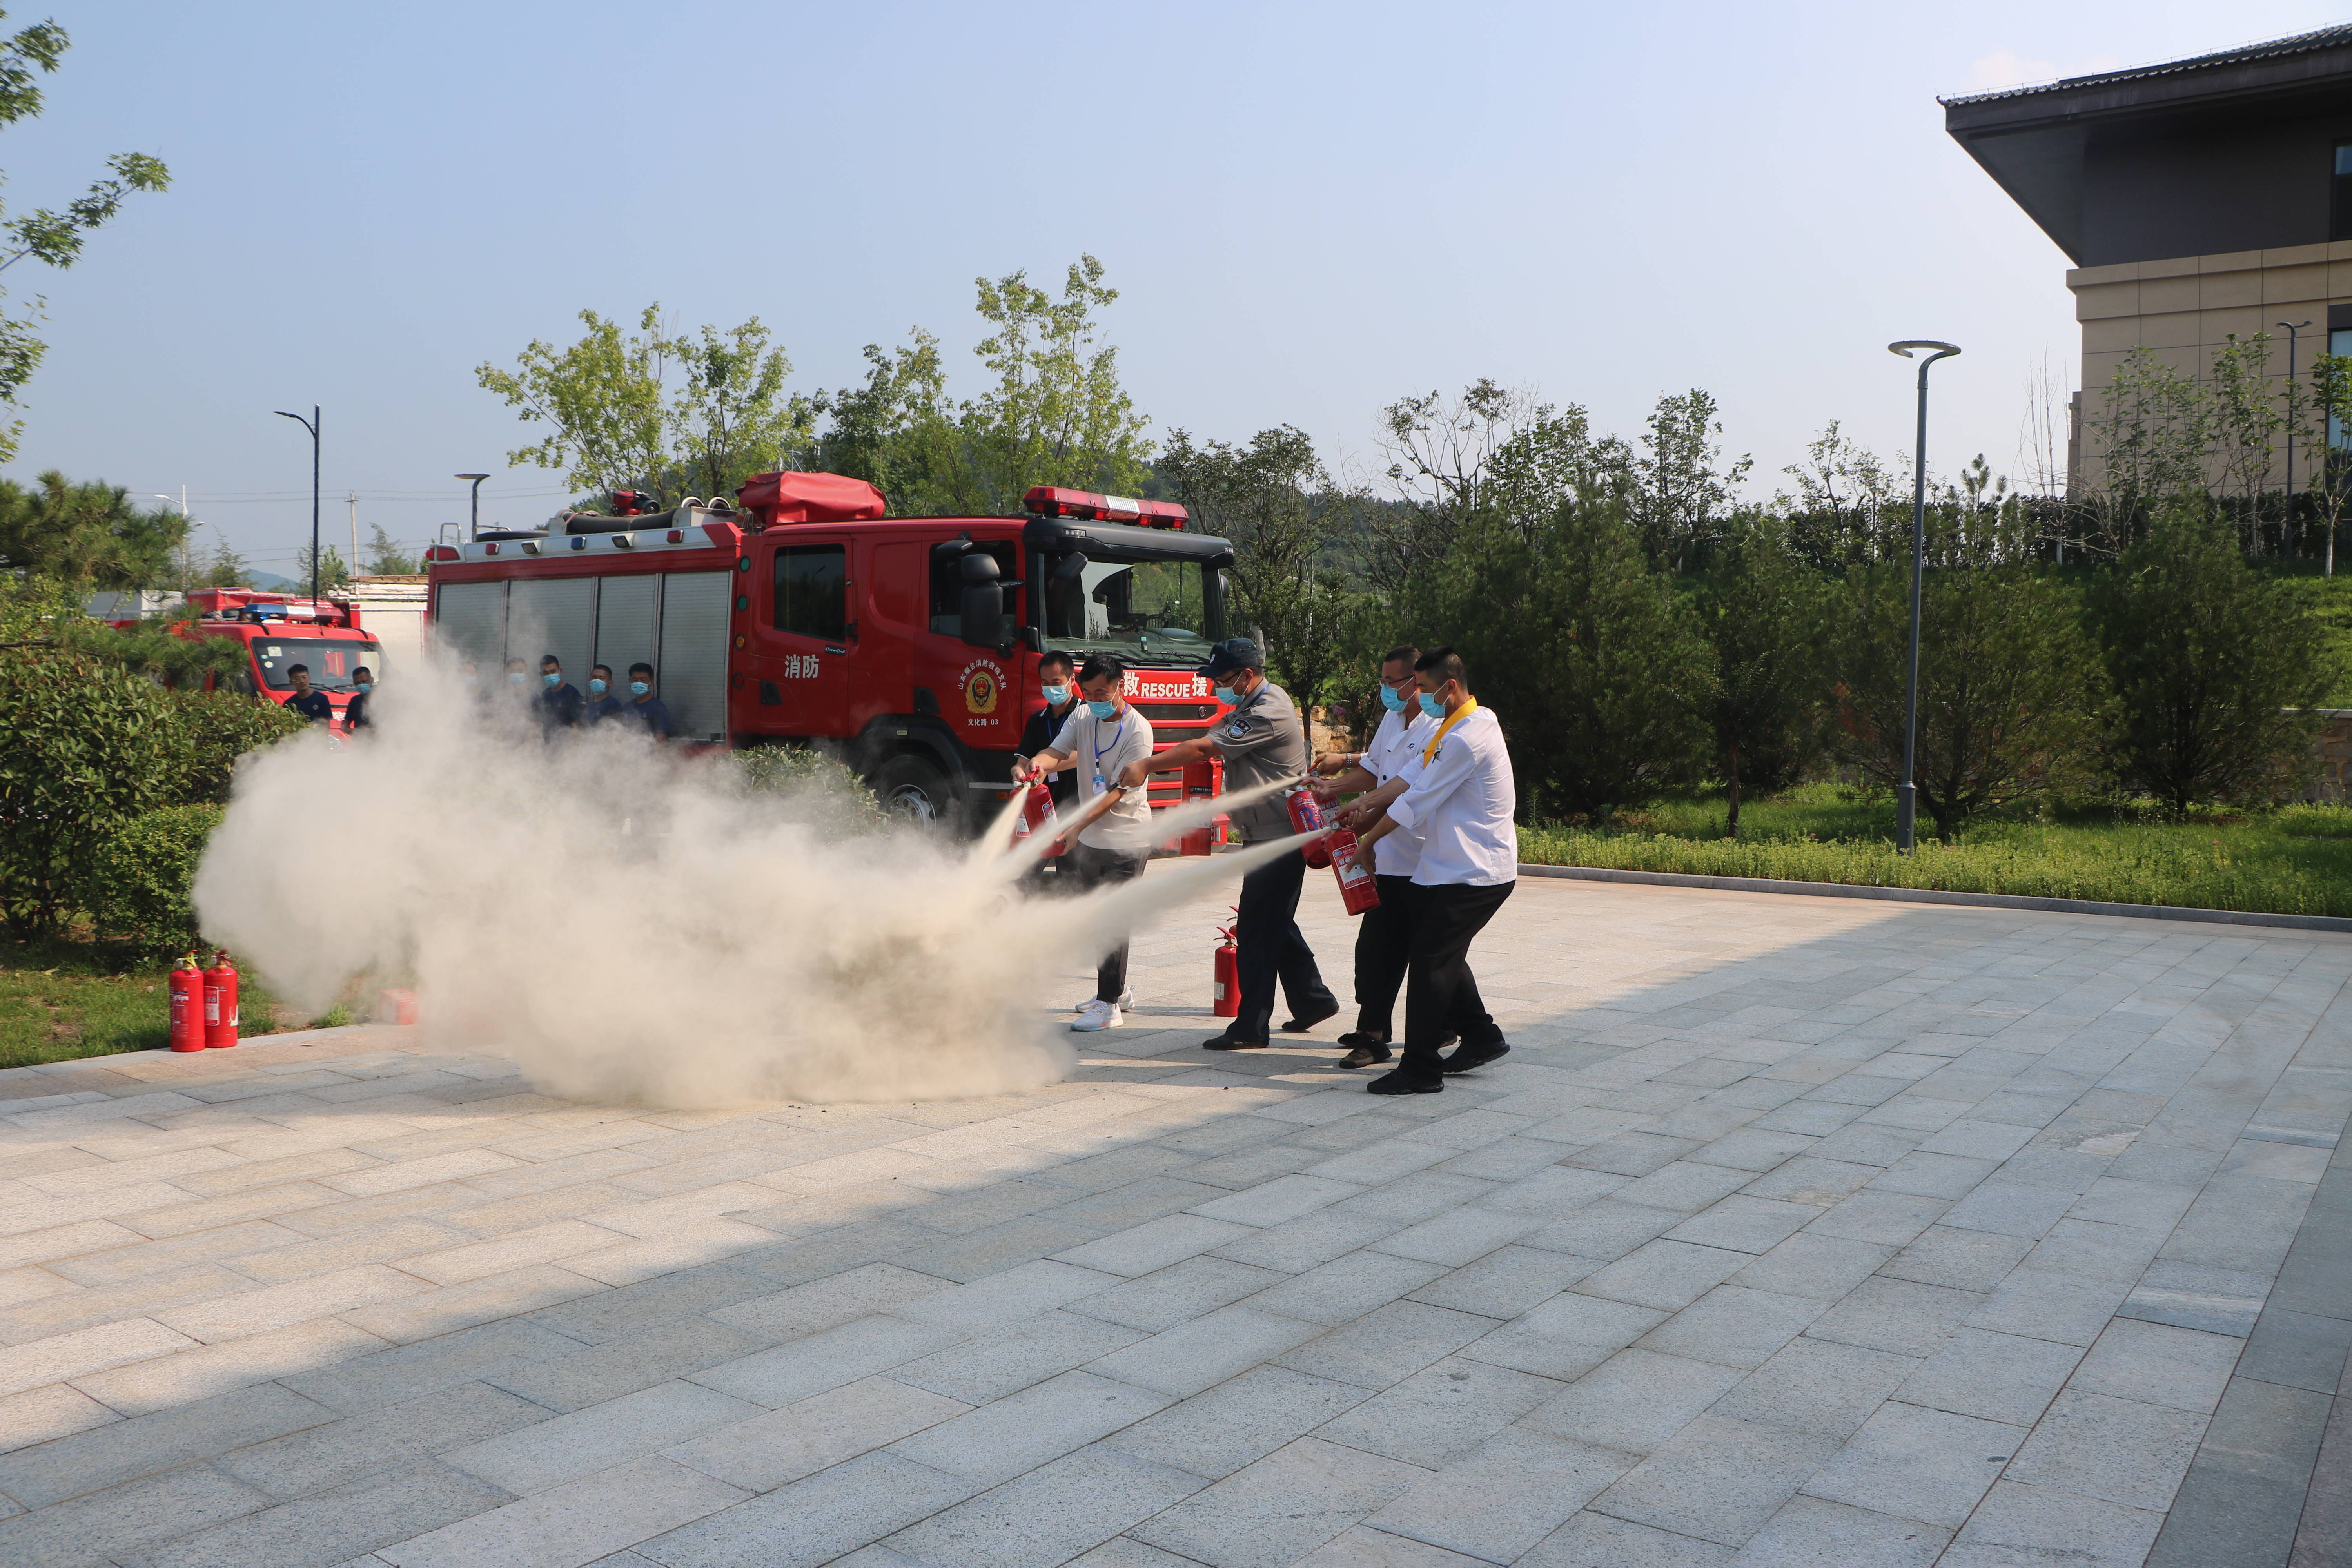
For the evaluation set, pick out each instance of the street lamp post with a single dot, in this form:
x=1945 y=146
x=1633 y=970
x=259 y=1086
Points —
x=478 y=480
x=311 y=424
x=1907 y=796
x=2291 y=328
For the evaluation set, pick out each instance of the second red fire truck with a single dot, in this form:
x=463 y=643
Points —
x=800 y=613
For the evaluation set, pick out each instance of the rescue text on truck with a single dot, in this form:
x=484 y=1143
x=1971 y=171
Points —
x=802 y=614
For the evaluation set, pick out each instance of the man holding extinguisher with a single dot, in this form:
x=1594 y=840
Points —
x=1262 y=741
x=1384 y=936
x=1461 y=802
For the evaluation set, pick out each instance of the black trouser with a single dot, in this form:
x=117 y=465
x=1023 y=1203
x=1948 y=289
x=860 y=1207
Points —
x=1091 y=869
x=1271 y=949
x=1444 y=997
x=1383 y=948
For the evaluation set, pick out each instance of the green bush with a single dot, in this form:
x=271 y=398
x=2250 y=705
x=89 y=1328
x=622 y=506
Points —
x=137 y=892
x=82 y=755
x=207 y=732
x=835 y=791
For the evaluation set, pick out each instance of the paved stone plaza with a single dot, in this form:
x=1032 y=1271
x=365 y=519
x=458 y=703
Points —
x=1794 y=1231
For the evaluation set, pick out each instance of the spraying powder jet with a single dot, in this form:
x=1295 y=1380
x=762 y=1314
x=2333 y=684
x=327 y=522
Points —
x=630 y=930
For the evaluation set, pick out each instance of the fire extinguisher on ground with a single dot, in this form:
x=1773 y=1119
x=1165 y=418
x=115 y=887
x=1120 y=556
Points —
x=1307 y=817
x=1227 y=994
x=187 y=1006
x=220 y=1002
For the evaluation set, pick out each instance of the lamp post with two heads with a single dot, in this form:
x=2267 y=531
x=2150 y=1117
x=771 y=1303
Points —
x=1906 y=794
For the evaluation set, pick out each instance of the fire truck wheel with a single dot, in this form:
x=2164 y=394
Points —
x=912 y=790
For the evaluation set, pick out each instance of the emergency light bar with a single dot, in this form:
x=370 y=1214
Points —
x=1048 y=501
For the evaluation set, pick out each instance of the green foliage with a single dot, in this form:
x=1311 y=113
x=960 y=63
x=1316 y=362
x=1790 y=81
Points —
x=332 y=571
x=1762 y=610
x=151 y=648
x=2010 y=685
x=138 y=880
x=826 y=789
x=2296 y=860
x=2212 y=667
x=81 y=758
x=1677 y=497
x=1057 y=413
x=205 y=733
x=86 y=534
x=386 y=559
x=51 y=237
x=1279 y=505
x=617 y=423
x=1596 y=667
x=899 y=433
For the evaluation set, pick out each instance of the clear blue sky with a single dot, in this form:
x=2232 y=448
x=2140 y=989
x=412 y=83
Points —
x=1309 y=209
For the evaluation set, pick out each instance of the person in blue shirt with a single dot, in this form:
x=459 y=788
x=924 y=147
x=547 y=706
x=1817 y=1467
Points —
x=308 y=700
x=559 y=702
x=643 y=707
x=600 y=704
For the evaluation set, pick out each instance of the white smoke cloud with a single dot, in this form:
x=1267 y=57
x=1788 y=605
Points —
x=628 y=926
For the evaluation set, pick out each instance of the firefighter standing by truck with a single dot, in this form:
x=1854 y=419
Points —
x=1262 y=741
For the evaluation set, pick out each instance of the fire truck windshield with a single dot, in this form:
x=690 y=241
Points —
x=332 y=661
x=1152 y=611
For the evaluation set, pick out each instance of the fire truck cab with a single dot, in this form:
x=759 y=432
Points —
x=279 y=632
x=802 y=614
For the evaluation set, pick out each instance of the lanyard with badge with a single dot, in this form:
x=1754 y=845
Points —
x=1095 y=740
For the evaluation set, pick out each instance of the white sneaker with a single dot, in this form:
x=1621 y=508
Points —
x=1097 y=1015
x=1126 y=1000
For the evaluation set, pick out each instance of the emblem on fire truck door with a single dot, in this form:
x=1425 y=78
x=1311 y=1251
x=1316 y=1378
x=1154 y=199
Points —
x=983 y=682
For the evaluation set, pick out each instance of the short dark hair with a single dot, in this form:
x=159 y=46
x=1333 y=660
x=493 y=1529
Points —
x=1405 y=653
x=295 y=669
x=360 y=669
x=595 y=667
x=1102 y=667
x=551 y=659
x=1444 y=664
x=1055 y=655
x=641 y=664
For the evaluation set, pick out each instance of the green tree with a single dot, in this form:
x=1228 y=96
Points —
x=1596 y=667
x=81 y=759
x=2009 y=684
x=614 y=421
x=1057 y=413
x=226 y=568
x=1849 y=507
x=1447 y=458
x=899 y=432
x=332 y=572
x=51 y=237
x=2216 y=670
x=1276 y=502
x=1761 y=609
x=2152 y=435
x=86 y=534
x=1675 y=490
x=387 y=558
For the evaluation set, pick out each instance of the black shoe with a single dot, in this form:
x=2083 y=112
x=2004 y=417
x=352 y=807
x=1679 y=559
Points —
x=1465 y=1057
x=1399 y=1082
x=1370 y=1053
x=1301 y=1025
x=1227 y=1043
x=1356 y=1037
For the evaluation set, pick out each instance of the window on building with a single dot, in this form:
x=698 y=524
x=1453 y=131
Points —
x=812 y=591
x=2339 y=206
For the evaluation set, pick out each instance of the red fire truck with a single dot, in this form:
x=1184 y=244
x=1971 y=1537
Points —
x=802 y=614
x=280 y=631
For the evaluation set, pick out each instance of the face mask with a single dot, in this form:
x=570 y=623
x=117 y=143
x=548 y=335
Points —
x=553 y=680
x=516 y=678
x=1391 y=700
x=367 y=685
x=1102 y=710
x=1058 y=695
x=1228 y=696
x=595 y=689
x=1432 y=706
x=638 y=689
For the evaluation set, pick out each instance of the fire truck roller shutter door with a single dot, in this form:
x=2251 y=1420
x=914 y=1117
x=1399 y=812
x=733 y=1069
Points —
x=627 y=610
x=557 y=616
x=470 y=621
x=693 y=664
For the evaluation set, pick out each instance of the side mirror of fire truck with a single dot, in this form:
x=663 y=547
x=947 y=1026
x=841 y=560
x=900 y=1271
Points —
x=983 y=599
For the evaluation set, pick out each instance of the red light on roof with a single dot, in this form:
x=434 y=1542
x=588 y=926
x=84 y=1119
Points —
x=441 y=553
x=1049 y=501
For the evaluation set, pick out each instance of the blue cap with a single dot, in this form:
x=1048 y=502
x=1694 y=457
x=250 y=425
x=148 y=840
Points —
x=1232 y=654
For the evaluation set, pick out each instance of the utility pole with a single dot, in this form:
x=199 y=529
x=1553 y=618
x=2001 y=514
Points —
x=353 y=496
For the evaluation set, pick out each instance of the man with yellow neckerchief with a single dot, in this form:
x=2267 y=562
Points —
x=1460 y=800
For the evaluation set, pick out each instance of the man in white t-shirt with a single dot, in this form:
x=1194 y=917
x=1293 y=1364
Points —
x=1384 y=934
x=1111 y=840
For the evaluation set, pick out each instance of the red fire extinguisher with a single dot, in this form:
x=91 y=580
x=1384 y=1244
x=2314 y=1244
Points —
x=1202 y=780
x=220 y=1002
x=1307 y=817
x=1356 y=889
x=187 y=1006
x=1036 y=812
x=1227 y=994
